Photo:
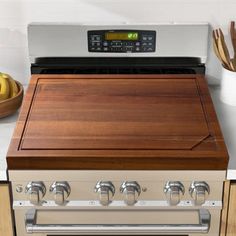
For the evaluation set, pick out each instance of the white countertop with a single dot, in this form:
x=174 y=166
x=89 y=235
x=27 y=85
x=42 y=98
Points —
x=7 y=126
x=226 y=115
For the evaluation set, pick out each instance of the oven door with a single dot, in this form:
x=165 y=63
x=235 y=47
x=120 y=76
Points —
x=43 y=222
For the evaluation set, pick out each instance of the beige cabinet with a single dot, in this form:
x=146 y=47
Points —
x=231 y=218
x=228 y=221
x=6 y=227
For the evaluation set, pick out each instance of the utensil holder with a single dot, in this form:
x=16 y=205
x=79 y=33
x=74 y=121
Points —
x=228 y=87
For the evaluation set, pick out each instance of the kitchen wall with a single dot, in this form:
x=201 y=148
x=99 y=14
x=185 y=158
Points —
x=16 y=14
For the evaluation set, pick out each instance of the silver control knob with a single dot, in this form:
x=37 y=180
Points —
x=131 y=190
x=106 y=191
x=36 y=192
x=199 y=191
x=174 y=191
x=61 y=191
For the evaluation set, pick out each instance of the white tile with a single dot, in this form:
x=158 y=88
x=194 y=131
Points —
x=11 y=8
x=15 y=62
x=65 y=11
x=12 y=38
x=227 y=13
x=11 y=22
x=186 y=12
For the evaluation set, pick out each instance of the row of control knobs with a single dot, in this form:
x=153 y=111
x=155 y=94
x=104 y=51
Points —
x=198 y=190
x=61 y=191
x=106 y=190
x=37 y=190
x=174 y=191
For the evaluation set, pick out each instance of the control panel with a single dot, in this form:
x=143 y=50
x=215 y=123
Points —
x=122 y=41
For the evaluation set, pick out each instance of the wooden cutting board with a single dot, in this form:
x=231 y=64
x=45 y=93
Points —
x=117 y=122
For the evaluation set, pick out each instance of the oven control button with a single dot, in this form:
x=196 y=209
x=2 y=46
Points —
x=36 y=192
x=106 y=191
x=174 y=191
x=61 y=191
x=131 y=191
x=199 y=191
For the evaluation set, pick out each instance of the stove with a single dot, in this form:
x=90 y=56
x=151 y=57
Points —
x=117 y=134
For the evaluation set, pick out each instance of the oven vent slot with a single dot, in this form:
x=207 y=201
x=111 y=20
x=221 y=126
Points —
x=118 y=71
x=105 y=65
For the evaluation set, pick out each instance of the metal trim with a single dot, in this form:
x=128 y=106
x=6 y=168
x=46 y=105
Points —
x=32 y=227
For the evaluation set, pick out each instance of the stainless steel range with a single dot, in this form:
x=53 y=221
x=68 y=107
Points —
x=117 y=134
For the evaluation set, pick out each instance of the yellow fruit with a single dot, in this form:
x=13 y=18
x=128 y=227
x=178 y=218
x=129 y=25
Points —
x=5 y=88
x=12 y=85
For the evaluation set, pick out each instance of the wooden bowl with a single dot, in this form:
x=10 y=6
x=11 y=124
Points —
x=11 y=105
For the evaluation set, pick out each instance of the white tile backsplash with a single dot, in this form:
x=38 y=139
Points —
x=16 y=14
x=14 y=61
x=10 y=37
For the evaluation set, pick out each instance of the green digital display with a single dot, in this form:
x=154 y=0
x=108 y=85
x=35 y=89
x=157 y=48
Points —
x=121 y=36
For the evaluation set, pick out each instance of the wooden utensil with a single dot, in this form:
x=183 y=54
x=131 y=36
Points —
x=223 y=50
x=233 y=38
x=216 y=50
x=222 y=45
x=222 y=53
x=219 y=49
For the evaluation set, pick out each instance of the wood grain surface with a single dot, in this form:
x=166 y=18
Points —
x=6 y=226
x=11 y=105
x=117 y=122
x=224 y=214
x=231 y=221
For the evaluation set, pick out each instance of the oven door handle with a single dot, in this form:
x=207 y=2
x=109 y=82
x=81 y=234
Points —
x=33 y=227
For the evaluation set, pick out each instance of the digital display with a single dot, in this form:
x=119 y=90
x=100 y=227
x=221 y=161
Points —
x=121 y=36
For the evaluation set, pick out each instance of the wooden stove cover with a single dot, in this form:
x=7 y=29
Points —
x=117 y=116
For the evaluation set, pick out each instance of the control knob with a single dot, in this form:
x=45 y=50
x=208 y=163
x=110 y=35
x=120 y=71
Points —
x=106 y=191
x=199 y=191
x=174 y=191
x=131 y=190
x=36 y=192
x=61 y=192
